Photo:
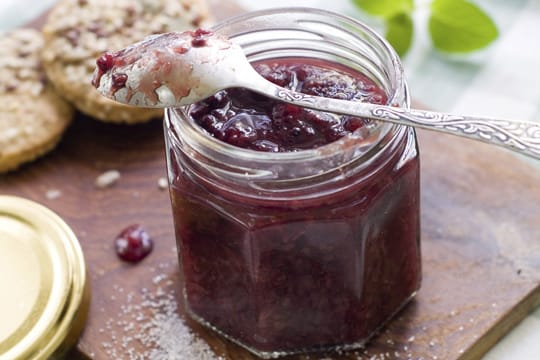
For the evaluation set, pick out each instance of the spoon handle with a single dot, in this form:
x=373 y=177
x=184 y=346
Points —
x=520 y=136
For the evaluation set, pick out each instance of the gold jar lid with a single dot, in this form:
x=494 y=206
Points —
x=44 y=293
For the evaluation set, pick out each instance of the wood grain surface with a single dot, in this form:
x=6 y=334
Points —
x=480 y=243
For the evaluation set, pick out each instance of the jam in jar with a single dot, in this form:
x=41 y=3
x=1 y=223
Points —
x=297 y=230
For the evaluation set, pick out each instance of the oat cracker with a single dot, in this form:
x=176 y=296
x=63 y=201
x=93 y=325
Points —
x=33 y=116
x=77 y=32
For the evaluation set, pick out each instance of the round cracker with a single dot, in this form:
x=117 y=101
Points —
x=33 y=116
x=77 y=32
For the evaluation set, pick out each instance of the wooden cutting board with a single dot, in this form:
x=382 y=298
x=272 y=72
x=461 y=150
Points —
x=480 y=243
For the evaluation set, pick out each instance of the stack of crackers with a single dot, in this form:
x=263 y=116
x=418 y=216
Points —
x=45 y=77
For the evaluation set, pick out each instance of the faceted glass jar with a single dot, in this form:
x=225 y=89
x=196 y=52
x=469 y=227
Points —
x=311 y=250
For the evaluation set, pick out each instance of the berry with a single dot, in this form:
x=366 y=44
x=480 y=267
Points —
x=133 y=244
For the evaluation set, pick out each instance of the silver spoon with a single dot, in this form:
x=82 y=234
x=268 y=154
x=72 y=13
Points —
x=177 y=69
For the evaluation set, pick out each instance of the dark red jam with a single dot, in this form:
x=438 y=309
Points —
x=200 y=37
x=243 y=118
x=119 y=81
x=105 y=62
x=300 y=274
x=133 y=244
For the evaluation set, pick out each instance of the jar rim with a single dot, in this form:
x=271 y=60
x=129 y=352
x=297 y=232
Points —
x=389 y=50
x=363 y=146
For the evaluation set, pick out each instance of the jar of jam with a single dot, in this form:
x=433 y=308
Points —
x=297 y=230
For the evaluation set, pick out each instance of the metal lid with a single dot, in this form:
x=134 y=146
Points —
x=43 y=285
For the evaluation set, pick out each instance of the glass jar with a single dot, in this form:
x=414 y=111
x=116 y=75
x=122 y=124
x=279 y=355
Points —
x=303 y=251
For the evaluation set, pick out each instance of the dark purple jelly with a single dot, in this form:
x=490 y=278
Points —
x=243 y=118
x=293 y=272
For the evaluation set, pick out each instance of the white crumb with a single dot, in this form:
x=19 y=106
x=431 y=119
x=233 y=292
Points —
x=163 y=183
x=53 y=194
x=107 y=179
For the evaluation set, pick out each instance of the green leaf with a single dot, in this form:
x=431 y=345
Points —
x=385 y=8
x=399 y=32
x=460 y=26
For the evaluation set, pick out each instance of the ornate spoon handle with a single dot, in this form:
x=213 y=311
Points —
x=520 y=136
